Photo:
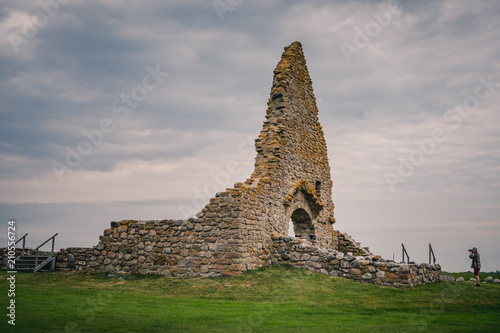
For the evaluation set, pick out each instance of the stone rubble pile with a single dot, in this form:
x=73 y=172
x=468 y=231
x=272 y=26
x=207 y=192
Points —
x=364 y=268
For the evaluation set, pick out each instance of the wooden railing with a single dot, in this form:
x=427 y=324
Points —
x=24 y=241
x=53 y=238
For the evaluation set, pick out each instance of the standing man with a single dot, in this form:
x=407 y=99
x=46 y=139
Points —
x=476 y=263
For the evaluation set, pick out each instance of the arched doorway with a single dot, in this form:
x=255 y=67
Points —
x=302 y=224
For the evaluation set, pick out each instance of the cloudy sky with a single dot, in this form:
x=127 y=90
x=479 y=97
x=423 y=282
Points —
x=144 y=110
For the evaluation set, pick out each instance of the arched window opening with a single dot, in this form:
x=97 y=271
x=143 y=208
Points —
x=302 y=224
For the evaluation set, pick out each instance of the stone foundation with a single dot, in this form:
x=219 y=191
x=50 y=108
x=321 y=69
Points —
x=150 y=247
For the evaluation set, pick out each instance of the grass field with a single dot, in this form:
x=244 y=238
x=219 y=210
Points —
x=273 y=299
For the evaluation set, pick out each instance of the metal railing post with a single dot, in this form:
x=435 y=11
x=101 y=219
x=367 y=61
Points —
x=24 y=242
x=404 y=252
x=433 y=256
x=430 y=249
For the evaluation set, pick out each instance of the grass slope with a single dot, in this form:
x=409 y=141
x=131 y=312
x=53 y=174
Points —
x=271 y=299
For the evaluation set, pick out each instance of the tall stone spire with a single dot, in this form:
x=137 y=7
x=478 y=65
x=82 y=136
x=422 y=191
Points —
x=292 y=160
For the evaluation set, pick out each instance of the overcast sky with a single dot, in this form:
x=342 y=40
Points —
x=143 y=110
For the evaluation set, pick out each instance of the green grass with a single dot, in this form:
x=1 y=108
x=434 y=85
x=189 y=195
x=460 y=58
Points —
x=470 y=275
x=272 y=299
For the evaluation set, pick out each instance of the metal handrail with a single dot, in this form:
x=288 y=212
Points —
x=433 y=256
x=403 y=254
x=24 y=241
x=53 y=239
x=36 y=250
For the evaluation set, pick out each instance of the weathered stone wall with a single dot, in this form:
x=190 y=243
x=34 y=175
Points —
x=370 y=268
x=75 y=258
x=347 y=244
x=168 y=256
x=168 y=247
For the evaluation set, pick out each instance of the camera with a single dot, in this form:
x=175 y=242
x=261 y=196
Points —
x=470 y=250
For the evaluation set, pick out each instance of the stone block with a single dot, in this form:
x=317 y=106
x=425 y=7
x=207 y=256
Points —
x=355 y=263
x=323 y=253
x=62 y=264
x=405 y=269
x=335 y=273
x=305 y=257
x=285 y=256
x=109 y=268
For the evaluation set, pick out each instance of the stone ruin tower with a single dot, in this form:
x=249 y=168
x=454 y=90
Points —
x=291 y=180
x=292 y=174
x=246 y=227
